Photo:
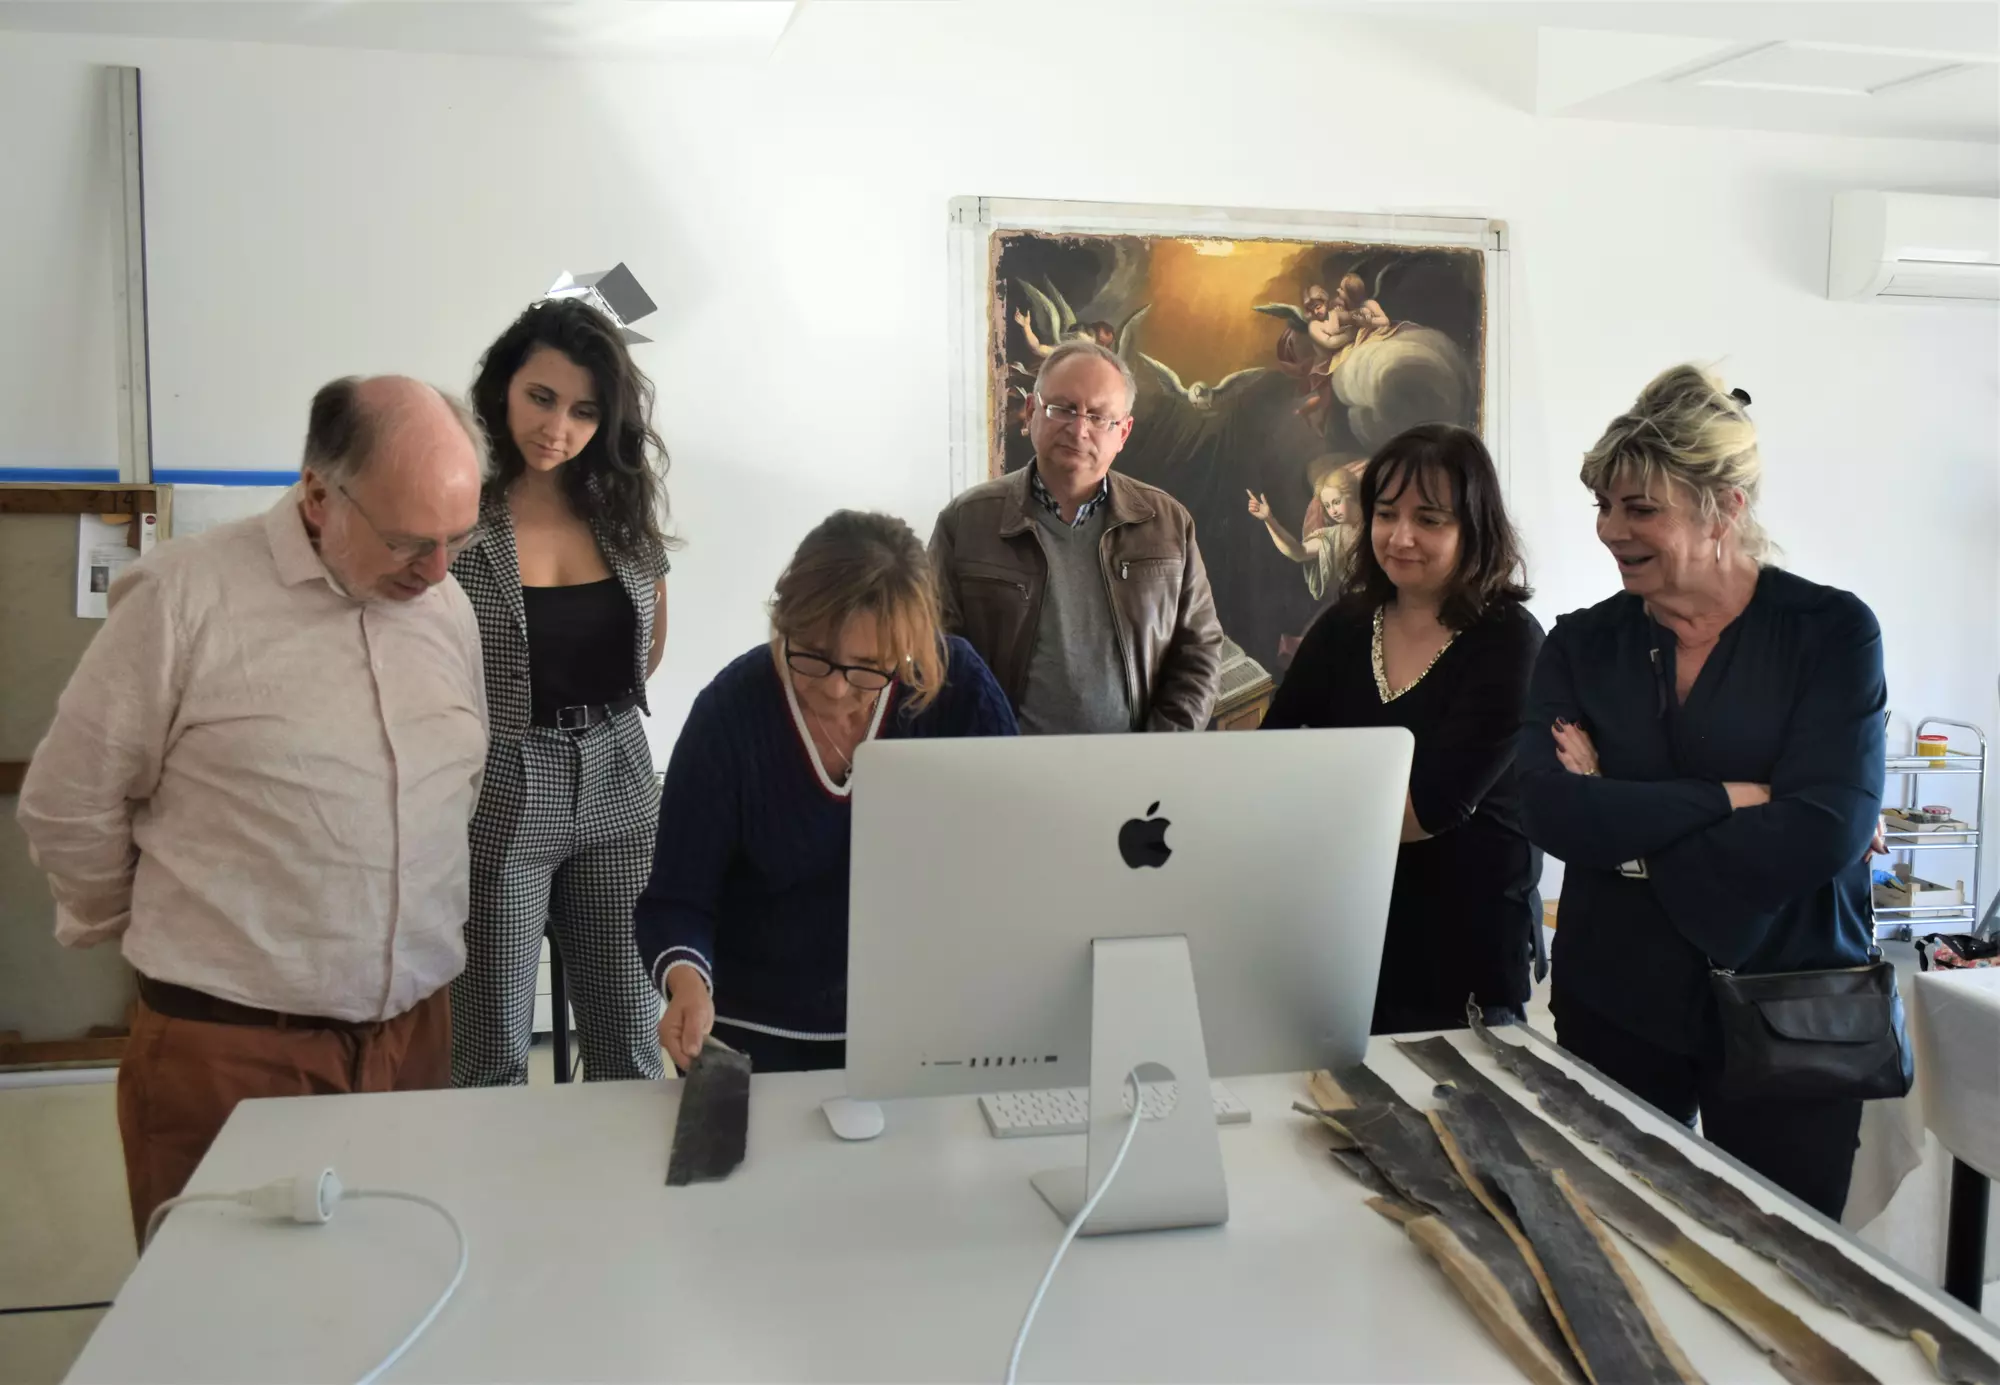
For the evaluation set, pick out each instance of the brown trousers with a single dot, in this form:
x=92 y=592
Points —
x=180 y=1079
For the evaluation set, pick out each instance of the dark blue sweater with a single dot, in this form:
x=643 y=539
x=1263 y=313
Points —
x=749 y=875
x=1791 y=696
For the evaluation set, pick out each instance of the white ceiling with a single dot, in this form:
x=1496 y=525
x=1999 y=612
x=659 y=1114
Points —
x=1885 y=87
x=1911 y=69
x=648 y=30
x=1920 y=69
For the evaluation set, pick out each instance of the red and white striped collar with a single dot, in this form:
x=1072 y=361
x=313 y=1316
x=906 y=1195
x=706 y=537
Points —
x=827 y=781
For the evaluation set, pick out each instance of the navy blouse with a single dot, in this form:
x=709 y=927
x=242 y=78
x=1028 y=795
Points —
x=1791 y=696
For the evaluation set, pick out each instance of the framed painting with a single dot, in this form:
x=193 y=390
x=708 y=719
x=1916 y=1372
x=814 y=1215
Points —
x=1274 y=351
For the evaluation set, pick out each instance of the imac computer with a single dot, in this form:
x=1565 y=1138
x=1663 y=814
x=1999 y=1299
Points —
x=1062 y=910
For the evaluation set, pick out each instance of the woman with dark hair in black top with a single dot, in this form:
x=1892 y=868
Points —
x=569 y=581
x=1431 y=634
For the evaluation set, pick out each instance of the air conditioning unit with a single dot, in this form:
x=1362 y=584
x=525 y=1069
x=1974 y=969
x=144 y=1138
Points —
x=1913 y=245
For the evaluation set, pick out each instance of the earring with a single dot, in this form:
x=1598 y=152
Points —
x=1718 y=550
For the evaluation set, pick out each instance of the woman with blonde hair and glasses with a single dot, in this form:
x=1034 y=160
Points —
x=1705 y=752
x=744 y=922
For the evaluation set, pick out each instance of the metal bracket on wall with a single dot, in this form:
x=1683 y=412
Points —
x=128 y=274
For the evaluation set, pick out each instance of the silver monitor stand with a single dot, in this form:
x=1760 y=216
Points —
x=1143 y=1013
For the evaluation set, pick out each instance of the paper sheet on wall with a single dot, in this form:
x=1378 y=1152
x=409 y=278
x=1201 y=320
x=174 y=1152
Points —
x=198 y=509
x=104 y=548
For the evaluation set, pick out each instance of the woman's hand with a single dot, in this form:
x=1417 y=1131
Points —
x=1880 y=845
x=689 y=1018
x=1575 y=749
x=1260 y=508
x=1748 y=795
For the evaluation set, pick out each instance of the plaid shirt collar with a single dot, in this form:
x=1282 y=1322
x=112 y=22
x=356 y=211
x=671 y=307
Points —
x=1048 y=502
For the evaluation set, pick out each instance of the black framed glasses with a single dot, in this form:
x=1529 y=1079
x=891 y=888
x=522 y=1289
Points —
x=411 y=550
x=1064 y=414
x=859 y=676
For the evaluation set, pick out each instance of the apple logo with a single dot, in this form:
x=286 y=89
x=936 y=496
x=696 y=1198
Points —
x=1143 y=841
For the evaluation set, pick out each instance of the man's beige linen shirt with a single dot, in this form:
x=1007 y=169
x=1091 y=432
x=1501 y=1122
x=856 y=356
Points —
x=263 y=785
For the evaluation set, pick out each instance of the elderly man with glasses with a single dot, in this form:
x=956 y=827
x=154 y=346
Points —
x=1081 y=588
x=259 y=781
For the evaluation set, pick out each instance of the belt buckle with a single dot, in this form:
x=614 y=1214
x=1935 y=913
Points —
x=1634 y=870
x=579 y=722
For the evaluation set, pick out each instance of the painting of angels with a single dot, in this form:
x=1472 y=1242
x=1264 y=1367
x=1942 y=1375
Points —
x=1267 y=370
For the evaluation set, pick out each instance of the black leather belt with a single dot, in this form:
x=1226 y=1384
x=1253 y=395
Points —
x=583 y=715
x=185 y=1003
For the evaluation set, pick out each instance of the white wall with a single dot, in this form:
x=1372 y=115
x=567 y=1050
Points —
x=315 y=212
x=57 y=387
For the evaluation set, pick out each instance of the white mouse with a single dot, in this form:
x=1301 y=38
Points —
x=853 y=1120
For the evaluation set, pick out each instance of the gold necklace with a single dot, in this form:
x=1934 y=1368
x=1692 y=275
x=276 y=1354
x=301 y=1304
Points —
x=1382 y=688
x=846 y=761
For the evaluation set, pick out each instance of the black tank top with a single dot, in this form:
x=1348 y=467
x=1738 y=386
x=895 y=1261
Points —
x=579 y=644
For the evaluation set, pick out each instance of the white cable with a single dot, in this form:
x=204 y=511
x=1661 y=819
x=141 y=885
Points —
x=457 y=1275
x=309 y=1200
x=1076 y=1225
x=160 y=1212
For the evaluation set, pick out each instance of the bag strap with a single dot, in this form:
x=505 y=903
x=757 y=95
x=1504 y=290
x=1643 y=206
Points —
x=1875 y=958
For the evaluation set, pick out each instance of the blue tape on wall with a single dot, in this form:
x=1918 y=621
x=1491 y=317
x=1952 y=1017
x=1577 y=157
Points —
x=166 y=476
x=59 y=474
x=187 y=476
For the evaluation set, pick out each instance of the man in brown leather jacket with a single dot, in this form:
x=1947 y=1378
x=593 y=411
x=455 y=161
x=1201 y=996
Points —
x=1081 y=588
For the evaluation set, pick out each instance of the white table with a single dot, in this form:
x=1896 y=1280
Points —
x=1956 y=1019
x=910 y=1258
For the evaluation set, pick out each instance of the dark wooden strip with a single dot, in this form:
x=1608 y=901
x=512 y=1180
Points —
x=1502 y=1213
x=1346 y=1153
x=1396 y=1210
x=1623 y=1269
x=99 y=1051
x=1612 y=1323
x=1800 y=1354
x=1351 y=1087
x=1365 y=1173
x=1826 y=1273
x=17 y=498
x=1490 y=1301
x=1405 y=1151
x=1366 y=1089
x=1329 y=1121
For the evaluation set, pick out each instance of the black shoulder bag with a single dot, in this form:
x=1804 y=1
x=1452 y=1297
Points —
x=1813 y=1035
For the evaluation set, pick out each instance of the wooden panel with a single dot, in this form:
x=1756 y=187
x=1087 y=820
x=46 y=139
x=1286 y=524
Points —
x=21 y=499
x=105 y=1052
x=46 y=991
x=102 y=1046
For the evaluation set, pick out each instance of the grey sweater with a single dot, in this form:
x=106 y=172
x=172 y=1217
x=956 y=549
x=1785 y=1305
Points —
x=1076 y=675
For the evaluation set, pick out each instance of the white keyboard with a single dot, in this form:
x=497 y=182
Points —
x=1066 y=1110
